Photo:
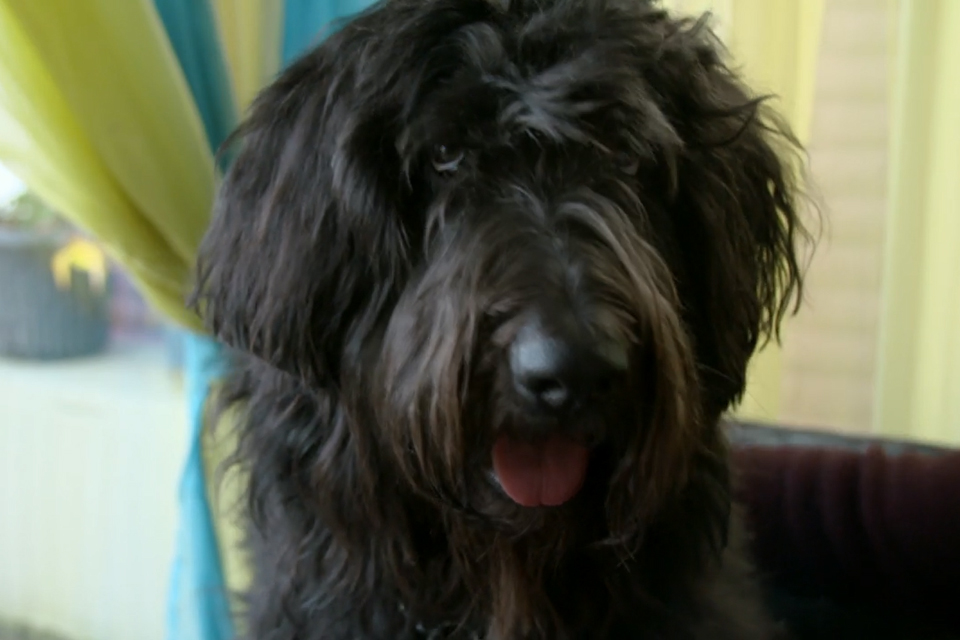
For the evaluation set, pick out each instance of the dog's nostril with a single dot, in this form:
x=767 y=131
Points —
x=557 y=373
x=549 y=391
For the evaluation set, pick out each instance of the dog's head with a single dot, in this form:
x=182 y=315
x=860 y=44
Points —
x=531 y=244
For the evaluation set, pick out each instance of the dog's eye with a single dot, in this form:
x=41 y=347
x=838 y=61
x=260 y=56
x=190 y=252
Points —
x=446 y=159
x=629 y=166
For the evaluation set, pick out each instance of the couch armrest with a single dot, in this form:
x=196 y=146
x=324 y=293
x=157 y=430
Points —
x=767 y=435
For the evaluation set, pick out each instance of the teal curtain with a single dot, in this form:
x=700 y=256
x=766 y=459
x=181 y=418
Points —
x=192 y=30
x=307 y=21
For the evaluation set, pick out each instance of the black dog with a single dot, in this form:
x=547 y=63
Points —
x=497 y=269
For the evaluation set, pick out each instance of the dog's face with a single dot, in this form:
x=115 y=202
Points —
x=530 y=247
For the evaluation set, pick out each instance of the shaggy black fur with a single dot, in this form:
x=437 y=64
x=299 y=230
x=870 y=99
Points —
x=409 y=196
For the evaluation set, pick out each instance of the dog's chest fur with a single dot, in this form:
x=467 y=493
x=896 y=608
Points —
x=665 y=592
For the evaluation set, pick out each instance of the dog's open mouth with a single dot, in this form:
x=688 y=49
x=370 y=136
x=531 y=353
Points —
x=545 y=472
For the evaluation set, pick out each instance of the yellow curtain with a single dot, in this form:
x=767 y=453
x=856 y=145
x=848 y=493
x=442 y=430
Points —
x=123 y=157
x=918 y=384
x=226 y=493
x=251 y=32
x=775 y=43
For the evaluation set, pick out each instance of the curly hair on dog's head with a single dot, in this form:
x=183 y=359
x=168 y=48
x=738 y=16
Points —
x=495 y=270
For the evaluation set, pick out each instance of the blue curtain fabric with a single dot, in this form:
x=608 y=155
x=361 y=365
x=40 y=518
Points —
x=306 y=22
x=192 y=30
x=198 y=606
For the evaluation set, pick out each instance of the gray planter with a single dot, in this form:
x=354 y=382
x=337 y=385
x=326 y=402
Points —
x=37 y=320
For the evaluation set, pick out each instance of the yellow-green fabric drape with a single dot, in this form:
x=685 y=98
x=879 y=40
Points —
x=251 y=34
x=99 y=121
x=918 y=383
x=775 y=44
x=225 y=493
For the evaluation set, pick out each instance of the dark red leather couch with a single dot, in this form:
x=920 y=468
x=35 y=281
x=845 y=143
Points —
x=858 y=538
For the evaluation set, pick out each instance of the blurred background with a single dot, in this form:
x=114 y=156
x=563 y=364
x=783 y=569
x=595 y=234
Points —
x=109 y=111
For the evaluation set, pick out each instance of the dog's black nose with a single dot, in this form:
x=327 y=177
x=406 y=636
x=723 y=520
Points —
x=562 y=370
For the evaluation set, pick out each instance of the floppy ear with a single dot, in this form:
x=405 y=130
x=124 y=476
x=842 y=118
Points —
x=306 y=244
x=737 y=212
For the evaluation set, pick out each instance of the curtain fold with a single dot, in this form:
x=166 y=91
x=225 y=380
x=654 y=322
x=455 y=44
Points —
x=198 y=606
x=115 y=69
x=251 y=33
x=918 y=382
x=192 y=28
x=79 y=146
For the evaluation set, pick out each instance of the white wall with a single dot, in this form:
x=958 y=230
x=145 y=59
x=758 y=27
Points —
x=90 y=455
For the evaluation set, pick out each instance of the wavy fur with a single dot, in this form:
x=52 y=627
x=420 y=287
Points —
x=613 y=167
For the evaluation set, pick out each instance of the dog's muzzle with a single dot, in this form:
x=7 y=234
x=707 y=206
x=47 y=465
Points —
x=561 y=373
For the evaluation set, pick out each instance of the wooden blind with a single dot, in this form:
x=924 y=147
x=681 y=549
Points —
x=831 y=347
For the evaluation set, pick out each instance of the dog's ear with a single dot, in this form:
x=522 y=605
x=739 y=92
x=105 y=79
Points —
x=306 y=241
x=737 y=212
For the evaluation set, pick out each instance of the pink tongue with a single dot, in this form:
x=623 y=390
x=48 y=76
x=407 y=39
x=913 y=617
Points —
x=548 y=472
